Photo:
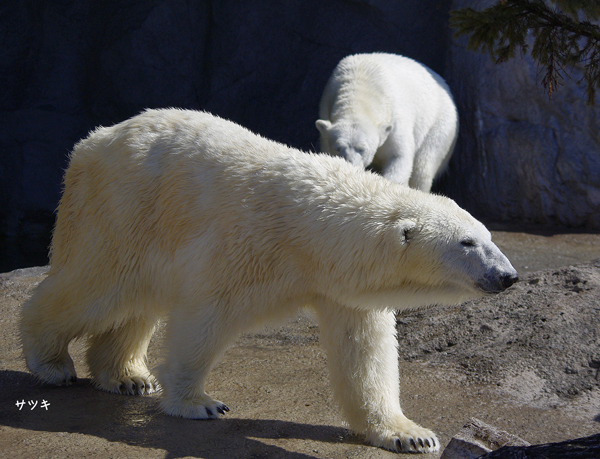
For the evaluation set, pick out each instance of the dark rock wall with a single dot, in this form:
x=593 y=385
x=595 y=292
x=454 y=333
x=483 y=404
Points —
x=68 y=66
x=522 y=156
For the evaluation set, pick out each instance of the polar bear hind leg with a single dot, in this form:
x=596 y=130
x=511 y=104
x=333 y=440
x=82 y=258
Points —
x=45 y=333
x=362 y=358
x=51 y=319
x=117 y=358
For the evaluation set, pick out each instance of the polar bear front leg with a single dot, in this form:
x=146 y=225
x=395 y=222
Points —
x=196 y=338
x=363 y=361
x=397 y=157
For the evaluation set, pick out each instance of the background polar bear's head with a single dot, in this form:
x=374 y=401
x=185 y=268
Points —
x=356 y=142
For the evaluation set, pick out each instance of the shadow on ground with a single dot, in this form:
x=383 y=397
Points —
x=136 y=421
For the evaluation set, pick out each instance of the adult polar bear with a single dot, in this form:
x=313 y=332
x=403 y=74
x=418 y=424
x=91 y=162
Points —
x=391 y=112
x=181 y=214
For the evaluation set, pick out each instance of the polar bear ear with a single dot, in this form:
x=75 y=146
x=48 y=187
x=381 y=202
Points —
x=323 y=125
x=404 y=229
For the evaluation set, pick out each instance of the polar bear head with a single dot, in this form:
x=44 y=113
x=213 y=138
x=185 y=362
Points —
x=356 y=142
x=461 y=251
x=435 y=253
x=451 y=253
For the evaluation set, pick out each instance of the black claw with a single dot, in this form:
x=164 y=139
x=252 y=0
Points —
x=398 y=444
x=225 y=407
x=421 y=442
x=413 y=444
x=428 y=442
x=208 y=412
x=220 y=410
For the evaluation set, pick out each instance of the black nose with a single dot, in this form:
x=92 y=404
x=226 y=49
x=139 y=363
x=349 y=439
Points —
x=509 y=279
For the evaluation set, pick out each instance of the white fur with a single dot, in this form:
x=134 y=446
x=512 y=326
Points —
x=391 y=112
x=183 y=215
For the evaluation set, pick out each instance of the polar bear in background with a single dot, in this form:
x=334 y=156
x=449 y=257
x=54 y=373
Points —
x=392 y=113
x=183 y=215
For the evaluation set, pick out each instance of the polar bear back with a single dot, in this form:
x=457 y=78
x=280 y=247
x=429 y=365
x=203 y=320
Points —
x=390 y=113
x=183 y=195
x=386 y=87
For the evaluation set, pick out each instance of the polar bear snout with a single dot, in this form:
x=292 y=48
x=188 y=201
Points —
x=353 y=156
x=498 y=281
x=509 y=279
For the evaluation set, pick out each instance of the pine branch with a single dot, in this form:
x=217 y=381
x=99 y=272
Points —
x=560 y=39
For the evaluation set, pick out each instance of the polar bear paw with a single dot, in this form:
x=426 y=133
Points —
x=203 y=407
x=143 y=384
x=408 y=437
x=58 y=372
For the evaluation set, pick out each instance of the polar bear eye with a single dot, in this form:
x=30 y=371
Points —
x=406 y=234
x=468 y=243
x=404 y=228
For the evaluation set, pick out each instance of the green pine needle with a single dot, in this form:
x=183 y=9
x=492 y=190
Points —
x=560 y=38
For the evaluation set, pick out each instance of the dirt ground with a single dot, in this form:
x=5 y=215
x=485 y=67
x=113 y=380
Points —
x=526 y=361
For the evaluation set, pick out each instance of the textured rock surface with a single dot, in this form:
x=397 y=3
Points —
x=522 y=156
x=477 y=438
x=580 y=448
x=66 y=67
x=521 y=341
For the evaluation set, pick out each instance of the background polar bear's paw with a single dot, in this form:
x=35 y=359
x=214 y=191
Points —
x=59 y=372
x=143 y=384
x=204 y=407
x=409 y=438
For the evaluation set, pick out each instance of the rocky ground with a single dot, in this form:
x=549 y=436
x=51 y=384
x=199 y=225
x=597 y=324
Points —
x=544 y=334
x=526 y=361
